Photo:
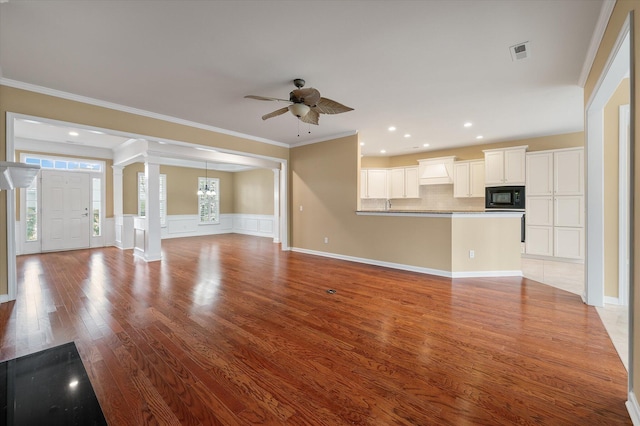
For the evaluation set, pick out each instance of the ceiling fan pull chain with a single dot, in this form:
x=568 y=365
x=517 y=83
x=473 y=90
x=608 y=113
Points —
x=309 y=124
x=298 y=120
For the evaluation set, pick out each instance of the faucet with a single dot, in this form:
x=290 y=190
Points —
x=388 y=205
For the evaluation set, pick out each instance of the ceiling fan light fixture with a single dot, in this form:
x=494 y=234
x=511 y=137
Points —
x=299 y=110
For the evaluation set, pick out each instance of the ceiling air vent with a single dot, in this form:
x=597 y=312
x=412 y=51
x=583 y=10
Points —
x=520 y=51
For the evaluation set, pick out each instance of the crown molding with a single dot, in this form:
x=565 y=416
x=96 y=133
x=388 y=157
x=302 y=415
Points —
x=97 y=102
x=325 y=138
x=603 y=20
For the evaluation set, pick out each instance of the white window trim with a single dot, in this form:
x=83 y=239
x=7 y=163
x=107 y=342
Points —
x=208 y=181
x=163 y=197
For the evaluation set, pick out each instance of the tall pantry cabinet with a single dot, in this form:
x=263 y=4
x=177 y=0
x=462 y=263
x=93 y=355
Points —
x=555 y=213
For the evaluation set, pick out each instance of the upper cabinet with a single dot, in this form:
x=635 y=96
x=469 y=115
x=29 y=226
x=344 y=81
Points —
x=468 y=179
x=373 y=183
x=403 y=182
x=505 y=166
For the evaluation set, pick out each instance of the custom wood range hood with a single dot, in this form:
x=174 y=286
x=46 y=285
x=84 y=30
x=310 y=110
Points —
x=436 y=171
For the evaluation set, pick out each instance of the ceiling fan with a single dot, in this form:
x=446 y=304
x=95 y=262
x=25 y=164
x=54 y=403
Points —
x=306 y=104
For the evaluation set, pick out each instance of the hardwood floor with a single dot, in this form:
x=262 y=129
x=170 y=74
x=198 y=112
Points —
x=230 y=330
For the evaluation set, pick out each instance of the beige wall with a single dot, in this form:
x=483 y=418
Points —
x=474 y=152
x=611 y=210
x=182 y=185
x=620 y=13
x=253 y=192
x=325 y=181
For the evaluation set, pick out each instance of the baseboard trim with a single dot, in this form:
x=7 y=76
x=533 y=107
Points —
x=401 y=266
x=612 y=300
x=410 y=268
x=633 y=409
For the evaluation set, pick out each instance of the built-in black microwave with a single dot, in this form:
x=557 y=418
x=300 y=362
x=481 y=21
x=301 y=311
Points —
x=504 y=197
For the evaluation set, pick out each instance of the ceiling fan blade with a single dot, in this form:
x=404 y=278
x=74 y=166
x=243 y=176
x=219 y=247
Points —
x=308 y=96
x=265 y=98
x=275 y=113
x=327 y=106
x=311 y=117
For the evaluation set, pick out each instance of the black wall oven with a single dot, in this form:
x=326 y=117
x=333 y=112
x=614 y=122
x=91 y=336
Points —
x=506 y=198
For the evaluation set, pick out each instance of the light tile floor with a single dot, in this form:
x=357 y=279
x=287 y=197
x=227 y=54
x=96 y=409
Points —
x=570 y=277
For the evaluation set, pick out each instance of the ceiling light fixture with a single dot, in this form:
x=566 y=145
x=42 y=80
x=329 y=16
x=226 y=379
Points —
x=407 y=135
x=72 y=133
x=206 y=191
x=479 y=137
x=299 y=110
x=361 y=143
x=383 y=151
x=468 y=124
x=392 y=128
x=425 y=145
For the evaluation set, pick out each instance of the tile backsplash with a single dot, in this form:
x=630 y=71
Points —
x=432 y=197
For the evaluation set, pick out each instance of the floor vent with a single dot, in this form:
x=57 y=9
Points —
x=520 y=51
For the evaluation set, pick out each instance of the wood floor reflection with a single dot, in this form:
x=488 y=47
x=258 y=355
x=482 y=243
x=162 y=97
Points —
x=230 y=330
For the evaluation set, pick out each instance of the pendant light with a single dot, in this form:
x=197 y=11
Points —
x=209 y=192
x=203 y=191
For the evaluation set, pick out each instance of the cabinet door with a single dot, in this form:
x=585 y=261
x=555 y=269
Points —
x=377 y=183
x=476 y=179
x=569 y=172
x=540 y=211
x=396 y=183
x=363 y=184
x=461 y=180
x=514 y=166
x=569 y=242
x=494 y=168
x=411 y=182
x=539 y=240
x=569 y=211
x=540 y=174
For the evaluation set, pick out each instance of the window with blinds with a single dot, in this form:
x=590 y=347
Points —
x=142 y=197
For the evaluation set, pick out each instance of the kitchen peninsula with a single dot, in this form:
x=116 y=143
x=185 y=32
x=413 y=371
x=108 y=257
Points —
x=461 y=243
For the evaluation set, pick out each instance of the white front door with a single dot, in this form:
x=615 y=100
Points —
x=65 y=210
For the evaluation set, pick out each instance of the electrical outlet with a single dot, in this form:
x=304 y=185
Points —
x=326 y=240
x=472 y=254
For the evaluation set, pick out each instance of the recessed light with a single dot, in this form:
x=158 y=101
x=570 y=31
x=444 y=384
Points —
x=383 y=151
x=73 y=133
x=425 y=145
x=479 y=137
x=392 y=128
x=468 y=124
x=407 y=135
x=361 y=143
x=73 y=383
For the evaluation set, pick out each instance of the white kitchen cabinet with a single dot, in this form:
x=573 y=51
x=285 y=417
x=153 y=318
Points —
x=569 y=172
x=403 y=182
x=555 y=213
x=539 y=167
x=468 y=179
x=539 y=240
x=374 y=183
x=505 y=166
x=411 y=182
x=569 y=242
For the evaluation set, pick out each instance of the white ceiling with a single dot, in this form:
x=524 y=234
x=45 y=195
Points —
x=425 y=67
